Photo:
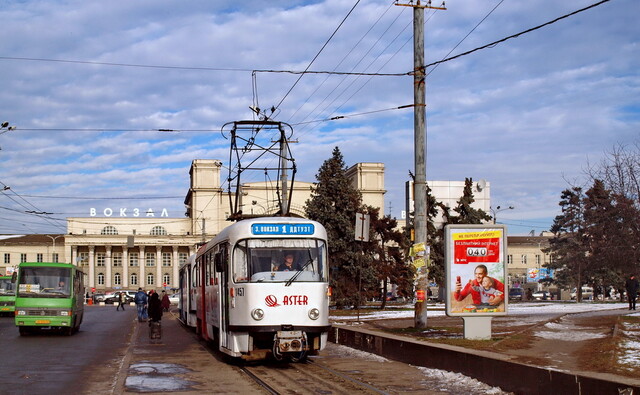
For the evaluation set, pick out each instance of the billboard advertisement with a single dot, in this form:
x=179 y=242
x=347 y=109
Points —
x=475 y=259
x=535 y=275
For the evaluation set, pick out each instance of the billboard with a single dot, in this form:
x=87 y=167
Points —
x=535 y=275
x=475 y=259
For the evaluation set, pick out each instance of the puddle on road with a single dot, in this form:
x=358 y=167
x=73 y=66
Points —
x=157 y=377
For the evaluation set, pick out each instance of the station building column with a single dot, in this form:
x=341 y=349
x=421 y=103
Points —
x=174 y=265
x=107 y=263
x=141 y=264
x=125 y=267
x=92 y=270
x=158 y=275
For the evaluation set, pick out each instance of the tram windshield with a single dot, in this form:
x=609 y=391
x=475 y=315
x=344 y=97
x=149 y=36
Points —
x=280 y=260
x=44 y=282
x=6 y=287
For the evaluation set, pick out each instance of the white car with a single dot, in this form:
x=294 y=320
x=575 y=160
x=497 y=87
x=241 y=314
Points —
x=174 y=298
x=587 y=293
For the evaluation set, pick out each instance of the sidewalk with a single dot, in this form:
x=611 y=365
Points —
x=177 y=363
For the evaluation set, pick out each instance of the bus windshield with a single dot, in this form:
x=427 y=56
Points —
x=280 y=260
x=44 y=282
x=6 y=287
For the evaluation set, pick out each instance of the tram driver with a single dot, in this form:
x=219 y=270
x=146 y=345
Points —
x=288 y=264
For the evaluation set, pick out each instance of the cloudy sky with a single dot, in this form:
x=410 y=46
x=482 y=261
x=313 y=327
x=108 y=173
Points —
x=88 y=84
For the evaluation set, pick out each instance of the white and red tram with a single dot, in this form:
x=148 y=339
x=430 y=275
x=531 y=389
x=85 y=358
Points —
x=234 y=294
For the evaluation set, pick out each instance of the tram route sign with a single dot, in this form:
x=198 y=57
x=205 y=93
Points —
x=282 y=229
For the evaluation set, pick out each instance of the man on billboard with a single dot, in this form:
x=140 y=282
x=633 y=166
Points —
x=475 y=287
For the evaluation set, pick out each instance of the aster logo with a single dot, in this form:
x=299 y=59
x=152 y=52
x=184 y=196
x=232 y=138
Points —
x=271 y=301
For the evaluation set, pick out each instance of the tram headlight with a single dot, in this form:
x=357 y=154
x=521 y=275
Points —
x=257 y=314
x=21 y=312
x=314 y=314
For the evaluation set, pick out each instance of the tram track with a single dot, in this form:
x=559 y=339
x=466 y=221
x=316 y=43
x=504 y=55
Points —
x=309 y=377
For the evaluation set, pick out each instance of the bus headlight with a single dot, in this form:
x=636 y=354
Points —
x=314 y=314
x=21 y=312
x=257 y=314
x=65 y=313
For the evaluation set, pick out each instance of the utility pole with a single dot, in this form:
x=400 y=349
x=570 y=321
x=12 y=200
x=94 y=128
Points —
x=420 y=149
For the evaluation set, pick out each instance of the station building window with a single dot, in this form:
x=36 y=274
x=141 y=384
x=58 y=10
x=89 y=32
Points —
x=100 y=259
x=39 y=258
x=182 y=258
x=7 y=258
x=100 y=278
x=23 y=258
x=166 y=259
x=117 y=279
x=54 y=257
x=150 y=259
x=158 y=231
x=84 y=258
x=150 y=279
x=166 y=279
x=133 y=280
x=523 y=259
x=133 y=259
x=116 y=259
x=109 y=230
x=509 y=259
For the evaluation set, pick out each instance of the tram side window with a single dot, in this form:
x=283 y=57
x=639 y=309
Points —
x=240 y=267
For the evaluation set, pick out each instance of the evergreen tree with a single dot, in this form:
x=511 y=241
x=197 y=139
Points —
x=568 y=247
x=466 y=213
x=611 y=223
x=334 y=203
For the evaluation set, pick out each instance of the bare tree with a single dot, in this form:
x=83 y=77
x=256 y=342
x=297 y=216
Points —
x=620 y=171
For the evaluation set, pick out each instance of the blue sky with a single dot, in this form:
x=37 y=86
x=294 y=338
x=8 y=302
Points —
x=527 y=115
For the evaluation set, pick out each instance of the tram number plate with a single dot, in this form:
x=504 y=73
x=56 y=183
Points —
x=43 y=322
x=289 y=334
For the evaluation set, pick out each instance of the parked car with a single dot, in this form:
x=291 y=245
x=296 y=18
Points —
x=174 y=299
x=99 y=297
x=541 y=295
x=587 y=293
x=111 y=299
x=516 y=294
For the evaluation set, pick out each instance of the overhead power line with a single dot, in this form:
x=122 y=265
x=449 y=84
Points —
x=493 y=44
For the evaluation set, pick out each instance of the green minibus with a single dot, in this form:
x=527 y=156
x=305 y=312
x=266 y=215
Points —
x=7 y=295
x=48 y=295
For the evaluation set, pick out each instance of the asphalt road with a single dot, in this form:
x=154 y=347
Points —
x=51 y=363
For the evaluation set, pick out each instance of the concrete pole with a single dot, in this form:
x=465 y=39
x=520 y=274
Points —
x=420 y=148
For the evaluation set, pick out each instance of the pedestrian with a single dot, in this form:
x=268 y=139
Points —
x=141 y=304
x=155 y=308
x=122 y=298
x=632 y=286
x=166 y=303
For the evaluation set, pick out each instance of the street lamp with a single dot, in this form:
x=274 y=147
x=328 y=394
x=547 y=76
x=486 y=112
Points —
x=497 y=210
x=53 y=239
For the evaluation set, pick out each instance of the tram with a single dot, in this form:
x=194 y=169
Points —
x=260 y=289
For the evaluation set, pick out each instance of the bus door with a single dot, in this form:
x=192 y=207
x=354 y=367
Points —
x=222 y=276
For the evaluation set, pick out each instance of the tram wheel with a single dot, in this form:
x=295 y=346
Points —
x=298 y=357
x=24 y=331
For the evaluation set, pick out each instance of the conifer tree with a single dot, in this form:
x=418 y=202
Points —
x=334 y=203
